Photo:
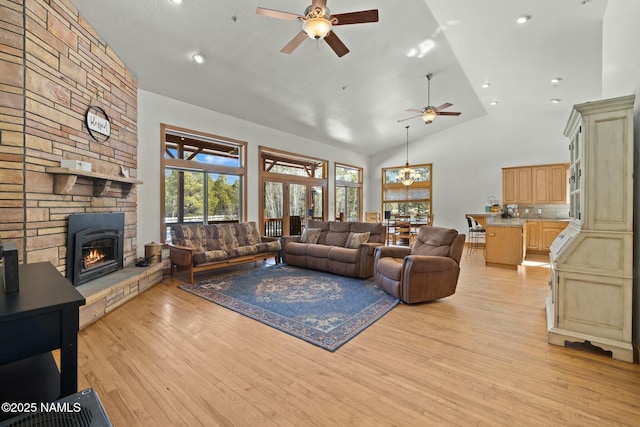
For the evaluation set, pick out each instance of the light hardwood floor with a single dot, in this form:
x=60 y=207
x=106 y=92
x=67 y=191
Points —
x=479 y=357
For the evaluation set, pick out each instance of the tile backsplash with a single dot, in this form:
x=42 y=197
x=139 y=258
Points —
x=554 y=211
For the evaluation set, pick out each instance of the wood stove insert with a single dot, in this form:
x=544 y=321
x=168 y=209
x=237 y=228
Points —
x=95 y=246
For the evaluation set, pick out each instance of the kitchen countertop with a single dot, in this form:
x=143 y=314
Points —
x=484 y=214
x=547 y=219
x=519 y=222
x=505 y=222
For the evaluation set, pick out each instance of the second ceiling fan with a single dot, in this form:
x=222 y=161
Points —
x=430 y=112
x=317 y=23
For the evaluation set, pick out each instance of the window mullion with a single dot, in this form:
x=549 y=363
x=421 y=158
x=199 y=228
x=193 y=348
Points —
x=205 y=198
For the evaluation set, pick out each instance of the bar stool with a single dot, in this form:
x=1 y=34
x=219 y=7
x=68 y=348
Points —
x=476 y=232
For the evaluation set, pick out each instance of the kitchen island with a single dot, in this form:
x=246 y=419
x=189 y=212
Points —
x=506 y=242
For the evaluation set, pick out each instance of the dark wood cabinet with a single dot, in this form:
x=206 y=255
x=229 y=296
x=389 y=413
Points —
x=41 y=317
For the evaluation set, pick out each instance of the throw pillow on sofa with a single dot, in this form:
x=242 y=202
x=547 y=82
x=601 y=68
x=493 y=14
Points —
x=310 y=235
x=356 y=239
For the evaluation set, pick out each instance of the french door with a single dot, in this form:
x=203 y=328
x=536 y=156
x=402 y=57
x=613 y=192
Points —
x=287 y=203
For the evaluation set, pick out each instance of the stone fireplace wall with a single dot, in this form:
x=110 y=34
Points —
x=53 y=66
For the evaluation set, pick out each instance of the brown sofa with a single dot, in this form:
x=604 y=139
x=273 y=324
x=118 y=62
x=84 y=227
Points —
x=199 y=247
x=342 y=248
x=426 y=271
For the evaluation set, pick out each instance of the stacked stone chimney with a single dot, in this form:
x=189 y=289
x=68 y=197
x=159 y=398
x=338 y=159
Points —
x=53 y=67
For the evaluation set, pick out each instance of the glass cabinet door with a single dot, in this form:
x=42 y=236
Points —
x=576 y=182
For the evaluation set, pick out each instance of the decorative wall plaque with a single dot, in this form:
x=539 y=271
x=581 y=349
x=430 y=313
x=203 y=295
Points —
x=98 y=123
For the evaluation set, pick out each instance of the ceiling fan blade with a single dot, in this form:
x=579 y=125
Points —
x=294 y=43
x=277 y=14
x=444 y=113
x=443 y=106
x=361 y=17
x=322 y=4
x=408 y=118
x=413 y=110
x=336 y=44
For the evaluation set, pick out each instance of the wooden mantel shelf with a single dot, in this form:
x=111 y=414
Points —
x=65 y=179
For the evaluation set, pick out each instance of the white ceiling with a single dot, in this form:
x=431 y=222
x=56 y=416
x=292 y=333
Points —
x=355 y=101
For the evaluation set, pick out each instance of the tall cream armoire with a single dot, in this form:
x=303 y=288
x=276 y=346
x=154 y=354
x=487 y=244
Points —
x=592 y=259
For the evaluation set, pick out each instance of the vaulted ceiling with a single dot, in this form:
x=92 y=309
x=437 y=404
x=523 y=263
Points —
x=355 y=102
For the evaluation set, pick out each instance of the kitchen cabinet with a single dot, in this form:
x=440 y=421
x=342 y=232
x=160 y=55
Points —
x=505 y=245
x=541 y=184
x=541 y=234
x=550 y=183
x=533 y=235
x=548 y=233
x=509 y=191
x=516 y=186
x=558 y=178
x=524 y=185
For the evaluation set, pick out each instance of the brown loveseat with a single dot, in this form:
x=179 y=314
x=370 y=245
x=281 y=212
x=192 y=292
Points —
x=344 y=248
x=199 y=247
x=427 y=271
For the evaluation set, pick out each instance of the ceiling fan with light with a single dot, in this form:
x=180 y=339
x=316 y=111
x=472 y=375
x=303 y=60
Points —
x=318 y=22
x=430 y=112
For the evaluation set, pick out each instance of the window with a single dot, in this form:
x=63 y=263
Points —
x=409 y=202
x=348 y=192
x=283 y=163
x=293 y=188
x=203 y=178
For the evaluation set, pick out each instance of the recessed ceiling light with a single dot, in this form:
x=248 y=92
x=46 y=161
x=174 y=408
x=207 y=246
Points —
x=556 y=81
x=176 y=1
x=198 y=58
x=486 y=85
x=556 y=101
x=494 y=102
x=523 y=18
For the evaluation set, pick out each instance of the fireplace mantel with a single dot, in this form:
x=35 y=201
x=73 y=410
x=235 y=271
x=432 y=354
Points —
x=65 y=179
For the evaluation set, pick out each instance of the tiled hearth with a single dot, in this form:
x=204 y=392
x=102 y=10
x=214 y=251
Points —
x=109 y=292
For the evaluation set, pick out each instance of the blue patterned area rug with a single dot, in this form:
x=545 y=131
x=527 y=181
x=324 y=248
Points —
x=321 y=308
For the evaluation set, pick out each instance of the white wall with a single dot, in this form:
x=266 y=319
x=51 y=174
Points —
x=621 y=49
x=154 y=109
x=467 y=160
x=621 y=76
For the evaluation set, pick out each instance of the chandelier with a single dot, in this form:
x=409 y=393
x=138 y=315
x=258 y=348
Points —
x=407 y=175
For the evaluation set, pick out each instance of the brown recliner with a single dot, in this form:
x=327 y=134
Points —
x=425 y=272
